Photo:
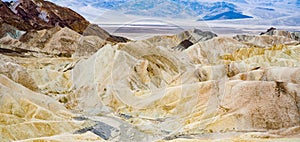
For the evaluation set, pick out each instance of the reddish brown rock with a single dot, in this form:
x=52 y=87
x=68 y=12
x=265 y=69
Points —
x=32 y=15
x=39 y=14
x=7 y=16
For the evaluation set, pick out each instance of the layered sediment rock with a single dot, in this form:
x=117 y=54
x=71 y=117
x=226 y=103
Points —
x=26 y=114
x=34 y=15
x=39 y=14
x=41 y=28
x=63 y=42
x=57 y=41
x=59 y=85
x=8 y=30
x=219 y=88
x=197 y=91
x=274 y=32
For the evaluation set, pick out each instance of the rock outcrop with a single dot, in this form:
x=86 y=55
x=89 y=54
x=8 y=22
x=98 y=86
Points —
x=274 y=32
x=26 y=114
x=11 y=31
x=41 y=28
x=271 y=37
x=292 y=35
x=192 y=37
x=221 y=88
x=29 y=15
x=266 y=40
x=39 y=14
x=216 y=86
x=62 y=42
x=58 y=83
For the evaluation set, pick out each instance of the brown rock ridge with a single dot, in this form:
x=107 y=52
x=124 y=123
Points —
x=37 y=28
x=28 y=15
x=57 y=41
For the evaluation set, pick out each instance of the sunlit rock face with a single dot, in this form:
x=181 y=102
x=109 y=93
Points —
x=59 y=42
x=63 y=42
x=218 y=88
x=26 y=114
x=59 y=85
x=215 y=86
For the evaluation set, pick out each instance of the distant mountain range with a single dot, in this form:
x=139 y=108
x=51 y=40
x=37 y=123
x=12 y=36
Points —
x=193 y=9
